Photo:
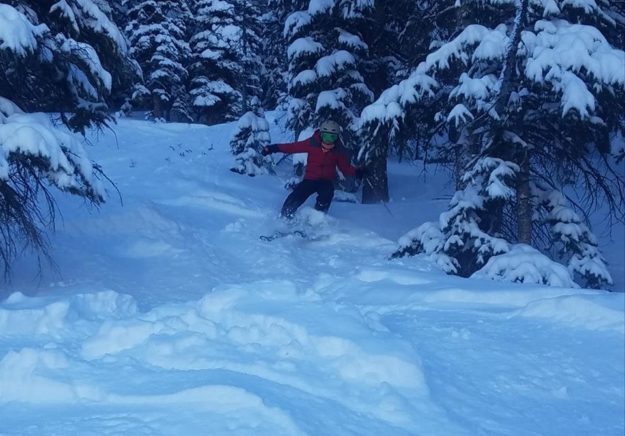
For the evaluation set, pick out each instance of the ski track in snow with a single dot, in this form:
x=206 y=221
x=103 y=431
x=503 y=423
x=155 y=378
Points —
x=172 y=317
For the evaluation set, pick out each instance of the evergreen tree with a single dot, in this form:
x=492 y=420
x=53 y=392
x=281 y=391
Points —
x=128 y=72
x=86 y=61
x=252 y=132
x=157 y=31
x=251 y=135
x=54 y=57
x=226 y=67
x=399 y=38
x=573 y=241
x=275 y=63
x=533 y=93
x=326 y=54
x=248 y=13
x=397 y=34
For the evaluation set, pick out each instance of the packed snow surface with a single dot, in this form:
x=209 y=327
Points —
x=165 y=314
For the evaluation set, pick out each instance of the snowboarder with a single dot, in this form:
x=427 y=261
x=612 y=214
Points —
x=325 y=153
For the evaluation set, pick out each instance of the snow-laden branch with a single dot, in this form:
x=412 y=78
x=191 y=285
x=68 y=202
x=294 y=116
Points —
x=17 y=33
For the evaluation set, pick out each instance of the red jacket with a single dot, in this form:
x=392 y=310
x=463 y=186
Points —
x=321 y=165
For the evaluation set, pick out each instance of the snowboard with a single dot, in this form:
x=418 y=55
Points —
x=283 y=234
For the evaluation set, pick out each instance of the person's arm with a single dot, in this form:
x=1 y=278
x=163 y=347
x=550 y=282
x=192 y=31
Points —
x=288 y=148
x=345 y=167
x=295 y=147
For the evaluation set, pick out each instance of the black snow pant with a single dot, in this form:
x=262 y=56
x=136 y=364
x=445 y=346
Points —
x=323 y=188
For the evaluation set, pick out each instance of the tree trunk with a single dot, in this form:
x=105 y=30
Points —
x=524 y=205
x=461 y=159
x=157 y=110
x=462 y=15
x=375 y=185
x=464 y=152
x=508 y=73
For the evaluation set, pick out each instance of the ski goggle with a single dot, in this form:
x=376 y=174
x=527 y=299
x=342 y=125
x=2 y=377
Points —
x=329 y=138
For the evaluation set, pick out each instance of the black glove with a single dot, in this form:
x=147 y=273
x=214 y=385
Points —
x=269 y=149
x=361 y=172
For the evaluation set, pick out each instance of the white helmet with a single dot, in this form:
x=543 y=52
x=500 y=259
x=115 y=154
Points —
x=330 y=126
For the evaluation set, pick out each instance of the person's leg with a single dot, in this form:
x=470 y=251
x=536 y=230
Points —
x=325 y=194
x=296 y=198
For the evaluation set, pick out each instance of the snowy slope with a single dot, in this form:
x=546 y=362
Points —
x=166 y=315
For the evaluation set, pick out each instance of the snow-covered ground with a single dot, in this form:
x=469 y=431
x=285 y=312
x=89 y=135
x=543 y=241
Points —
x=167 y=315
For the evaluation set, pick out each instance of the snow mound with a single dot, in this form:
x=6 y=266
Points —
x=229 y=330
x=525 y=264
x=216 y=201
x=23 y=316
x=401 y=277
x=581 y=311
x=22 y=379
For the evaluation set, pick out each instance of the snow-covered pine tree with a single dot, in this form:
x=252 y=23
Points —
x=250 y=49
x=397 y=33
x=274 y=49
x=466 y=236
x=157 y=31
x=53 y=58
x=78 y=79
x=614 y=27
x=252 y=132
x=216 y=68
x=398 y=39
x=573 y=242
x=536 y=86
x=128 y=72
x=616 y=35
x=251 y=135
x=119 y=12
x=326 y=54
